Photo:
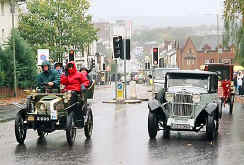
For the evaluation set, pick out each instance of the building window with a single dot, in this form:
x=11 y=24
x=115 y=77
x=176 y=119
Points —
x=211 y=61
x=190 y=61
x=2 y=7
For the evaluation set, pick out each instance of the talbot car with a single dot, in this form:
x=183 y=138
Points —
x=188 y=102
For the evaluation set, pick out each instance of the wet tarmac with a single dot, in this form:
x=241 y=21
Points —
x=120 y=138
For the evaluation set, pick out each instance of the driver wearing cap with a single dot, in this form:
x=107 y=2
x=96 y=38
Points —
x=47 y=78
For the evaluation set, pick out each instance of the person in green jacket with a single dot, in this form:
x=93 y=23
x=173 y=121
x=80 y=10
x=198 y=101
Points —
x=48 y=78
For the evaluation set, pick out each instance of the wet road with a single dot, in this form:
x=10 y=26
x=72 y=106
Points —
x=120 y=137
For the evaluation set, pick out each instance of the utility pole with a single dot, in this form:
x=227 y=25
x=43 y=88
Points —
x=116 y=77
x=125 y=75
x=218 y=38
x=13 y=43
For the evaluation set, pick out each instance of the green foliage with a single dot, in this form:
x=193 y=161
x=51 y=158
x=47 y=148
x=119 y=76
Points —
x=57 y=24
x=234 y=21
x=25 y=64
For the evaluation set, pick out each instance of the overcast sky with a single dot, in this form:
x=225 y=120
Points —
x=118 y=8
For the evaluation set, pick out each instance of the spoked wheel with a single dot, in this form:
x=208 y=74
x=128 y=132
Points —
x=89 y=124
x=212 y=128
x=70 y=129
x=20 y=130
x=152 y=125
x=40 y=133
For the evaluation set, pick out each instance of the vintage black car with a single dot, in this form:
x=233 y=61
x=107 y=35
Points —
x=50 y=111
x=188 y=102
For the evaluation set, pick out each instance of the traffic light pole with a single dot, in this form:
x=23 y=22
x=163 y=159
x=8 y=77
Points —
x=116 y=77
x=125 y=89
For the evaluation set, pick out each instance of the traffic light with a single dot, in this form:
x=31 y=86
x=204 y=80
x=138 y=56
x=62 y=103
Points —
x=155 y=56
x=71 y=55
x=147 y=66
x=127 y=51
x=118 y=46
x=104 y=67
x=93 y=63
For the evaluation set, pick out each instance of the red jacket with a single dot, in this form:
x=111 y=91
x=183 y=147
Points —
x=74 y=79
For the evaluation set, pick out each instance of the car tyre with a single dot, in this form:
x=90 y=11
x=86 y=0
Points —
x=89 y=124
x=211 y=127
x=20 y=130
x=70 y=129
x=152 y=125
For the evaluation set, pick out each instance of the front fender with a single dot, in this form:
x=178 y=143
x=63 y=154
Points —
x=153 y=105
x=211 y=107
x=22 y=112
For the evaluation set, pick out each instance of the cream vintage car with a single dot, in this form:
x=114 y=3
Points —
x=188 y=102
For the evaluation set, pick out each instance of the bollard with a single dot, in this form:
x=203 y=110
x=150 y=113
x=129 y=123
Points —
x=133 y=90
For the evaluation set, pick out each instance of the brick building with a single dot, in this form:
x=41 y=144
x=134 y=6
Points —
x=189 y=57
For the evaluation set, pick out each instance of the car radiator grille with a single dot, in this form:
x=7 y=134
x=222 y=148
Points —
x=182 y=105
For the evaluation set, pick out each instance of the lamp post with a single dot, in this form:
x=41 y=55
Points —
x=13 y=43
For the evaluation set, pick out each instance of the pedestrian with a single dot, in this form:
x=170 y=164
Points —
x=86 y=72
x=58 y=69
x=239 y=82
x=235 y=81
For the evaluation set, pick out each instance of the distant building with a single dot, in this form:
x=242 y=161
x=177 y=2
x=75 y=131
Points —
x=167 y=57
x=189 y=57
x=122 y=28
x=104 y=34
x=6 y=20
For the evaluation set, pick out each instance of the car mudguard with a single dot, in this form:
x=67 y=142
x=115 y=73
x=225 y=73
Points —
x=153 y=105
x=211 y=107
x=22 y=112
x=70 y=108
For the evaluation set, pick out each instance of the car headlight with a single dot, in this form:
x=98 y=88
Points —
x=196 y=98
x=41 y=107
x=169 y=97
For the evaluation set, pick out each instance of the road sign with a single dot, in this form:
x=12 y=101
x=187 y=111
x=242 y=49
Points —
x=120 y=93
x=43 y=55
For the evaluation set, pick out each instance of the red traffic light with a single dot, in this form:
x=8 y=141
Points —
x=155 y=50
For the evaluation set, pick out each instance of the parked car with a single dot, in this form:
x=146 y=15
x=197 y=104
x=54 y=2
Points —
x=188 y=102
x=128 y=79
x=50 y=111
x=140 y=79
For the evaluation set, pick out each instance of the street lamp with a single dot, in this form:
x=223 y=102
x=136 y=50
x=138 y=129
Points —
x=12 y=9
x=13 y=43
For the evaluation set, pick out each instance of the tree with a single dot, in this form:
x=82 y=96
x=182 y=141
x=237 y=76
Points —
x=57 y=25
x=234 y=24
x=25 y=63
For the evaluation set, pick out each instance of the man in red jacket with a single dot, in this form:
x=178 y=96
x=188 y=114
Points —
x=72 y=79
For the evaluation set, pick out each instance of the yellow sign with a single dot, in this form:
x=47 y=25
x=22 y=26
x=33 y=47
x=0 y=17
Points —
x=120 y=93
x=30 y=118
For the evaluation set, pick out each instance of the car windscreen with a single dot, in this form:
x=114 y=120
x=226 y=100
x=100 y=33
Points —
x=184 y=79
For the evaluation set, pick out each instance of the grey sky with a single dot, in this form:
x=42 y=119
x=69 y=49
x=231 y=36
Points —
x=118 y=8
